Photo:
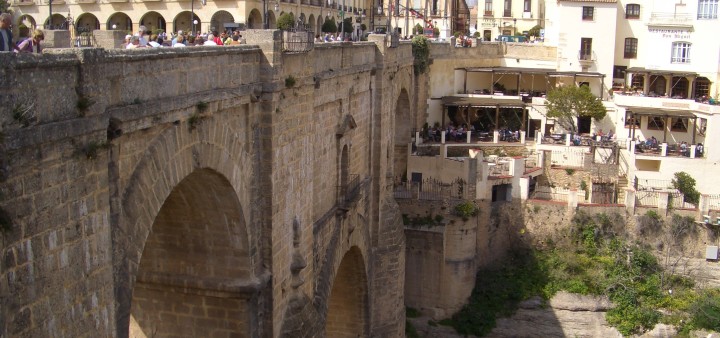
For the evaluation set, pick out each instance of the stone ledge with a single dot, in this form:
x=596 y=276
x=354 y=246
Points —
x=206 y=286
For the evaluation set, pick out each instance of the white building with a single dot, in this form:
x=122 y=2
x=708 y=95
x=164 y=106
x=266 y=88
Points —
x=655 y=64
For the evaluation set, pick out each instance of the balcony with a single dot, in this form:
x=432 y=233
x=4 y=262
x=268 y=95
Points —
x=587 y=56
x=85 y=1
x=488 y=13
x=349 y=191
x=55 y=2
x=23 y=2
x=671 y=19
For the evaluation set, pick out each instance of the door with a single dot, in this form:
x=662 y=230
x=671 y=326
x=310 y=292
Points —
x=584 y=124
x=586 y=49
x=534 y=126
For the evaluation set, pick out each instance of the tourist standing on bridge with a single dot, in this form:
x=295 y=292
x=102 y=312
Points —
x=32 y=44
x=6 y=38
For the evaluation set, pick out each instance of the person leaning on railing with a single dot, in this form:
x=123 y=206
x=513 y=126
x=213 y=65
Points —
x=32 y=44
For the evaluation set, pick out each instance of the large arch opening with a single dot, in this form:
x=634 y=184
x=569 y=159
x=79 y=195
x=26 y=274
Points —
x=86 y=23
x=26 y=25
x=219 y=19
x=347 y=314
x=153 y=21
x=183 y=23
x=403 y=129
x=56 y=22
x=119 y=21
x=195 y=272
x=254 y=20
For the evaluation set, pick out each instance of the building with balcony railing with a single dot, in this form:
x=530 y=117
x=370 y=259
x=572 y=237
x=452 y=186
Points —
x=508 y=17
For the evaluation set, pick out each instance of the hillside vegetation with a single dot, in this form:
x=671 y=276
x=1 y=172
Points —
x=595 y=258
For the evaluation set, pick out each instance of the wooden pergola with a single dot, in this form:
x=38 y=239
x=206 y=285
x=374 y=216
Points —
x=639 y=112
x=519 y=72
x=483 y=102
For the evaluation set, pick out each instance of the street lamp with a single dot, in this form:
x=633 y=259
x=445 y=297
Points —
x=114 y=26
x=50 y=17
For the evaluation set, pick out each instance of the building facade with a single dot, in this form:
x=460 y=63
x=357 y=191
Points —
x=508 y=17
x=188 y=16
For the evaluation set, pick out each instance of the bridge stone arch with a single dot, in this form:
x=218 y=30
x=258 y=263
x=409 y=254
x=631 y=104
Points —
x=179 y=172
x=196 y=265
x=348 y=305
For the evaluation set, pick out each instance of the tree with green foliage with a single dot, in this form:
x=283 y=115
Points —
x=418 y=29
x=329 y=26
x=684 y=183
x=286 y=21
x=347 y=25
x=4 y=6
x=421 y=53
x=535 y=31
x=567 y=103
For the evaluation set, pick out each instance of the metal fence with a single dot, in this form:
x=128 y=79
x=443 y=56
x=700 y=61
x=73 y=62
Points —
x=653 y=184
x=350 y=190
x=430 y=189
x=677 y=201
x=85 y=40
x=298 y=40
x=647 y=198
x=713 y=201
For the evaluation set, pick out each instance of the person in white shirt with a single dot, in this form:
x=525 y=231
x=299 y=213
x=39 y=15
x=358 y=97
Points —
x=134 y=43
x=179 y=42
x=153 y=41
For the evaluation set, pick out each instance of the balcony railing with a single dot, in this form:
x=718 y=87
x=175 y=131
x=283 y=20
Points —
x=670 y=19
x=488 y=13
x=587 y=56
x=23 y=2
x=350 y=190
x=298 y=40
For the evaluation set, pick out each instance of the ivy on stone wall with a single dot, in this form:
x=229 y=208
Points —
x=421 y=53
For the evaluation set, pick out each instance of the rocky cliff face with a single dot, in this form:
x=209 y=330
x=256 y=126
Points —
x=566 y=315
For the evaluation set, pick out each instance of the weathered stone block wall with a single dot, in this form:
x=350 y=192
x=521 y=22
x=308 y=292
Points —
x=89 y=163
x=441 y=261
x=56 y=276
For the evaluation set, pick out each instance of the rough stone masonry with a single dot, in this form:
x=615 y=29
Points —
x=220 y=192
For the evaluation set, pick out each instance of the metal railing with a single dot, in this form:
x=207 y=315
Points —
x=85 y=41
x=350 y=190
x=587 y=55
x=429 y=189
x=713 y=202
x=676 y=200
x=677 y=19
x=647 y=198
x=642 y=184
x=298 y=40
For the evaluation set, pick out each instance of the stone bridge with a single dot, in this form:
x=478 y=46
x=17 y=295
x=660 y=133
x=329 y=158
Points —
x=215 y=192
